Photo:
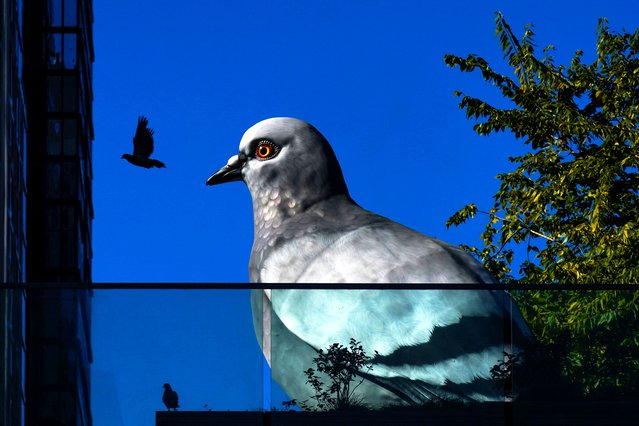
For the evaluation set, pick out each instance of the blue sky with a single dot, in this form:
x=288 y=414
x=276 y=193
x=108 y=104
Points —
x=368 y=74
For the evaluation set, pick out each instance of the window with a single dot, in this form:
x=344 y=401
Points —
x=69 y=180
x=55 y=13
x=61 y=236
x=70 y=137
x=54 y=93
x=53 y=176
x=52 y=364
x=70 y=51
x=62 y=180
x=54 y=137
x=62 y=51
x=70 y=13
x=54 y=50
x=63 y=13
x=68 y=249
x=70 y=96
x=62 y=136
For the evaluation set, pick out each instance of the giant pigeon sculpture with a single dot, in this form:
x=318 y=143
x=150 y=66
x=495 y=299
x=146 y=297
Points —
x=143 y=146
x=431 y=344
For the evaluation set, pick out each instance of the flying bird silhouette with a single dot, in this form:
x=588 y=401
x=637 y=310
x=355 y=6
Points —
x=170 y=398
x=143 y=146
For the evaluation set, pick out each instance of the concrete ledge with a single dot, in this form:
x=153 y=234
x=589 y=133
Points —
x=488 y=414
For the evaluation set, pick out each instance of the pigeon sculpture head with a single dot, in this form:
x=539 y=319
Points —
x=288 y=166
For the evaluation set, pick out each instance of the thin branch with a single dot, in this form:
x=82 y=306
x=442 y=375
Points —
x=532 y=231
x=540 y=234
x=522 y=224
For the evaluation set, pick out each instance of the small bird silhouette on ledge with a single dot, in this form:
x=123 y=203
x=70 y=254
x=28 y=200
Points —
x=170 y=398
x=143 y=146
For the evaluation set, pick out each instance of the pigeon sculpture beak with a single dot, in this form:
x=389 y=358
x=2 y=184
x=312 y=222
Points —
x=229 y=173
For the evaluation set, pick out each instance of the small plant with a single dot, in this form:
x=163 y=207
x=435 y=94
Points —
x=502 y=372
x=341 y=364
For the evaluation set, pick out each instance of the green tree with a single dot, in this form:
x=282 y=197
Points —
x=571 y=204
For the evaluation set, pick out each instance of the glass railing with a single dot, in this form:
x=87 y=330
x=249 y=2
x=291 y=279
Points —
x=419 y=353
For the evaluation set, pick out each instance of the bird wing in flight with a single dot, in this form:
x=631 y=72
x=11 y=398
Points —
x=143 y=139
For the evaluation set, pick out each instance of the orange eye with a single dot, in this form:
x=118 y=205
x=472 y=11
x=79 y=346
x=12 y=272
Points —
x=265 y=150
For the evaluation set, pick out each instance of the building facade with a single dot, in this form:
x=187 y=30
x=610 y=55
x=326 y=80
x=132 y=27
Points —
x=13 y=225
x=58 y=57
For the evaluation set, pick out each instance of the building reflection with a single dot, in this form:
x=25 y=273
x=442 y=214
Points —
x=46 y=99
x=13 y=225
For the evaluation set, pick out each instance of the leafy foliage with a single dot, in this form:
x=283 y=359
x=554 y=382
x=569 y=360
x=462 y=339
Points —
x=341 y=365
x=572 y=202
x=502 y=372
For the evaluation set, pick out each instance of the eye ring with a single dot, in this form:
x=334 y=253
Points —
x=266 y=150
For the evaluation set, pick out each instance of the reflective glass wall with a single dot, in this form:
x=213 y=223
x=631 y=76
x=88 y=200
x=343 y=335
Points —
x=428 y=355
x=58 y=92
x=12 y=213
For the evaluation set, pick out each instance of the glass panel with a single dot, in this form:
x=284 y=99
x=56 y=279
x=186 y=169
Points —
x=54 y=90
x=51 y=312
x=70 y=136
x=408 y=331
x=60 y=402
x=55 y=13
x=53 y=180
x=70 y=51
x=54 y=136
x=53 y=217
x=68 y=248
x=212 y=335
x=54 y=50
x=68 y=217
x=70 y=13
x=69 y=180
x=18 y=50
x=53 y=249
x=51 y=359
x=80 y=260
x=70 y=94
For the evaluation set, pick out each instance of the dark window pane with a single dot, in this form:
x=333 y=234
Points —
x=53 y=249
x=69 y=180
x=55 y=13
x=68 y=241
x=68 y=217
x=70 y=13
x=53 y=217
x=54 y=50
x=70 y=137
x=70 y=51
x=54 y=137
x=53 y=180
x=54 y=89
x=80 y=256
x=68 y=248
x=51 y=360
x=70 y=94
